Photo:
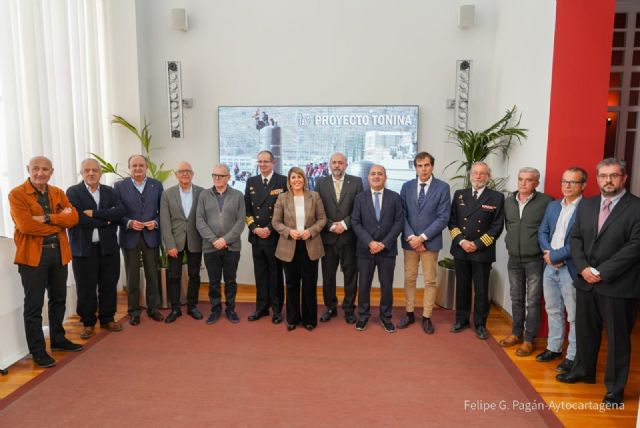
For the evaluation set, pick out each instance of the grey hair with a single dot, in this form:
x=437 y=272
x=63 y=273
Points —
x=481 y=163
x=222 y=165
x=613 y=161
x=135 y=156
x=534 y=171
x=88 y=160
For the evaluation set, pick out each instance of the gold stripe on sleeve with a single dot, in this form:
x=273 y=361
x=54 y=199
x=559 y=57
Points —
x=455 y=232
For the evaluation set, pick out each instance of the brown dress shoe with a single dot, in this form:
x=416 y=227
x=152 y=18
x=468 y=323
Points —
x=112 y=326
x=87 y=332
x=525 y=349
x=510 y=341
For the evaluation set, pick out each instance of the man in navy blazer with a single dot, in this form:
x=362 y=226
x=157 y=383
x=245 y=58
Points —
x=605 y=246
x=140 y=236
x=427 y=205
x=95 y=250
x=560 y=271
x=377 y=220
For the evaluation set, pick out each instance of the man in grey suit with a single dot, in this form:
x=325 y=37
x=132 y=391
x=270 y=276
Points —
x=220 y=219
x=181 y=239
x=338 y=191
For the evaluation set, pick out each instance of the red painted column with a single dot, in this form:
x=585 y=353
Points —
x=579 y=89
x=579 y=93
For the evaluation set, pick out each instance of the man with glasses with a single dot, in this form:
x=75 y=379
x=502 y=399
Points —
x=475 y=224
x=181 y=239
x=605 y=247
x=220 y=220
x=260 y=197
x=560 y=271
x=523 y=213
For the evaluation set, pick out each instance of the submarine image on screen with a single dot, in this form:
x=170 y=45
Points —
x=306 y=137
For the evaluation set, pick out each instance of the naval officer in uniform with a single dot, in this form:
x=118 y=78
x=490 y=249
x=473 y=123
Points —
x=260 y=197
x=475 y=224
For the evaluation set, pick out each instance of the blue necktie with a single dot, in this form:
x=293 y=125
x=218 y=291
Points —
x=421 y=195
x=376 y=204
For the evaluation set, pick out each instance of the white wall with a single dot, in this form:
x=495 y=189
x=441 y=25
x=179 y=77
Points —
x=522 y=76
x=333 y=52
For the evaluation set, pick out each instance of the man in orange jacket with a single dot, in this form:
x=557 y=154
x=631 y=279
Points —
x=42 y=213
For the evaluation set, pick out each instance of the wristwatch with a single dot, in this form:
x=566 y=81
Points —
x=47 y=219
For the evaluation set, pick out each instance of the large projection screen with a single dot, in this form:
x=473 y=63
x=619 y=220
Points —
x=306 y=136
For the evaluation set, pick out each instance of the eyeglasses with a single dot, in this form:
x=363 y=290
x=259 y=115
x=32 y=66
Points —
x=219 y=176
x=264 y=161
x=613 y=176
x=184 y=171
x=570 y=182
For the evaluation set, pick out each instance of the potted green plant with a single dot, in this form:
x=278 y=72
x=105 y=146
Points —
x=478 y=145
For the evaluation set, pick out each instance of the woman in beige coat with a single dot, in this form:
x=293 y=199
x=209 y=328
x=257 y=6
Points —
x=299 y=217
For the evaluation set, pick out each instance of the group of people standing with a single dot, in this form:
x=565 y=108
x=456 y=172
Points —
x=553 y=246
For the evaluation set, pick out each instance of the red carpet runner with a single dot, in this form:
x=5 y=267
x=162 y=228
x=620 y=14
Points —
x=257 y=374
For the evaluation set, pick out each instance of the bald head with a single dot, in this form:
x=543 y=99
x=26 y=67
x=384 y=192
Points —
x=40 y=159
x=377 y=177
x=338 y=165
x=40 y=170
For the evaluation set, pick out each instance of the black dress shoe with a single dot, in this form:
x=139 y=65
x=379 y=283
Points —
x=232 y=316
x=458 y=327
x=427 y=326
x=574 y=378
x=156 y=316
x=291 y=327
x=330 y=313
x=276 y=318
x=350 y=318
x=388 y=325
x=361 y=325
x=406 y=321
x=611 y=399
x=215 y=316
x=565 y=366
x=257 y=315
x=134 y=320
x=173 y=315
x=546 y=356
x=195 y=313
x=482 y=333
x=66 y=346
x=309 y=326
x=43 y=360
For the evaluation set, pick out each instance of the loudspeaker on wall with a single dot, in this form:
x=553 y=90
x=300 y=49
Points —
x=466 y=16
x=179 y=20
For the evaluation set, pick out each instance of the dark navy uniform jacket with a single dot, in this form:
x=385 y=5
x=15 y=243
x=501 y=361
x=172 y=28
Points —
x=259 y=201
x=478 y=221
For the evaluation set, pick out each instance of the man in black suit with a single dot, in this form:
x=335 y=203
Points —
x=260 y=197
x=475 y=224
x=338 y=192
x=95 y=250
x=605 y=247
x=377 y=219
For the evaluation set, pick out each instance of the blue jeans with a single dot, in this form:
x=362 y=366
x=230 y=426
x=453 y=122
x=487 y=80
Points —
x=525 y=279
x=559 y=294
